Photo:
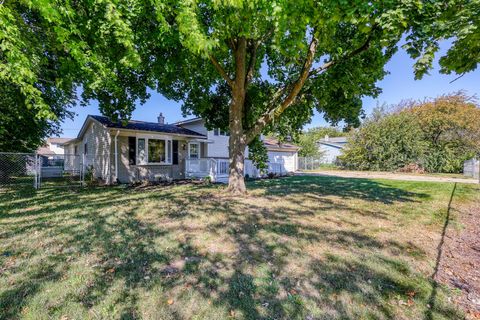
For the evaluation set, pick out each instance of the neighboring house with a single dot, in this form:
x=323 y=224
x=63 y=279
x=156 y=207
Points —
x=53 y=148
x=331 y=148
x=142 y=150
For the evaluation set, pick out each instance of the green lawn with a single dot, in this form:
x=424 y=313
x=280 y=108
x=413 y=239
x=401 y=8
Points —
x=294 y=248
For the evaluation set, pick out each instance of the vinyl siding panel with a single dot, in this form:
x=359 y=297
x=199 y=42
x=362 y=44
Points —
x=97 y=138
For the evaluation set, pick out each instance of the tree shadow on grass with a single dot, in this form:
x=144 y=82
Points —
x=255 y=280
x=364 y=189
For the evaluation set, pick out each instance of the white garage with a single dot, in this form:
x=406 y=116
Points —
x=282 y=157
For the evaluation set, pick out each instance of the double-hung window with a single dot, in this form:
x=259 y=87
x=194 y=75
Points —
x=154 y=151
x=194 y=150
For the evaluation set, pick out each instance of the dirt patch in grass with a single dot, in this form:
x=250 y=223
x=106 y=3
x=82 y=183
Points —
x=459 y=265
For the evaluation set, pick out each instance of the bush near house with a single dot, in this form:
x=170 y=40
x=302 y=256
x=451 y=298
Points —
x=433 y=135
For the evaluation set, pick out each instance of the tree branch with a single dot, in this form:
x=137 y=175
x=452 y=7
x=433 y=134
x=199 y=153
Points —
x=252 y=61
x=275 y=109
x=222 y=71
x=331 y=63
x=296 y=87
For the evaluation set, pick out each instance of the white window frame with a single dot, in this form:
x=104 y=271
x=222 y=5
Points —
x=198 y=148
x=168 y=158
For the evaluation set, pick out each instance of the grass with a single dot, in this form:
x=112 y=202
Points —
x=332 y=167
x=294 y=248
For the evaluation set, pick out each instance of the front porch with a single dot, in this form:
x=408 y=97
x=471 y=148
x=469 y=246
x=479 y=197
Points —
x=217 y=169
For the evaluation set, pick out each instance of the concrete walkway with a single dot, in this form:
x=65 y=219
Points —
x=386 y=175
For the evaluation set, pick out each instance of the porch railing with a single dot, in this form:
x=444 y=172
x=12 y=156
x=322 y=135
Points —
x=217 y=169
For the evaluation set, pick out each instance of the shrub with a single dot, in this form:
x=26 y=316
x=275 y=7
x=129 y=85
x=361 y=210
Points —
x=388 y=143
x=435 y=135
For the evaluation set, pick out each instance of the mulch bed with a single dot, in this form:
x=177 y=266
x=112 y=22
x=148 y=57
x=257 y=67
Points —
x=459 y=265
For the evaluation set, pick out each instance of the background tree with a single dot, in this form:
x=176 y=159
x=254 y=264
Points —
x=21 y=130
x=435 y=134
x=387 y=143
x=451 y=127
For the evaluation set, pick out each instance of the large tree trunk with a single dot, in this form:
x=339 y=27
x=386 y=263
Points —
x=236 y=182
x=237 y=142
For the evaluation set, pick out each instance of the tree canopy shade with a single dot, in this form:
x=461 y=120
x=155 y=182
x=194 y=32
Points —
x=249 y=67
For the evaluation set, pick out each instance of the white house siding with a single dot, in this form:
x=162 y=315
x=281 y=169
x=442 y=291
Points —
x=97 y=138
x=72 y=161
x=219 y=147
x=287 y=160
x=197 y=126
x=329 y=153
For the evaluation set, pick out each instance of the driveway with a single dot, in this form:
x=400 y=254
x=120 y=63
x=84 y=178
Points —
x=387 y=175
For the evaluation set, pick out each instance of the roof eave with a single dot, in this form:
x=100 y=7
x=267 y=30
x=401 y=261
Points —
x=158 y=132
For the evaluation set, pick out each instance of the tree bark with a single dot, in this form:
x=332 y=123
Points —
x=237 y=145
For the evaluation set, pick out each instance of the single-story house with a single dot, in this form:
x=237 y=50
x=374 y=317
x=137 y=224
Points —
x=331 y=148
x=53 y=148
x=139 y=150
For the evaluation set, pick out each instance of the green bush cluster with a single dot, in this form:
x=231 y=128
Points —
x=436 y=136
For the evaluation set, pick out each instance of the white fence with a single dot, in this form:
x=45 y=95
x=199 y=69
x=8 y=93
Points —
x=471 y=168
x=217 y=169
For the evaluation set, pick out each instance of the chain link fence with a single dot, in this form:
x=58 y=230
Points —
x=18 y=170
x=310 y=163
x=21 y=170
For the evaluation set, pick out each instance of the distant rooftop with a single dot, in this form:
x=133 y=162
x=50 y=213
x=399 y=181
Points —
x=58 y=140
x=334 y=139
x=273 y=144
x=337 y=142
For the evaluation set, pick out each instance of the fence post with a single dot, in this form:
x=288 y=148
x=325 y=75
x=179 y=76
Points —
x=82 y=172
x=35 y=166
x=39 y=178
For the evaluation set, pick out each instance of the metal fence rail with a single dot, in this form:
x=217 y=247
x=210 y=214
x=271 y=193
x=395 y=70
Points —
x=20 y=170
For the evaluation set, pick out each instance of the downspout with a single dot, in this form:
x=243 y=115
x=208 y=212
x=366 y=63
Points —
x=116 y=156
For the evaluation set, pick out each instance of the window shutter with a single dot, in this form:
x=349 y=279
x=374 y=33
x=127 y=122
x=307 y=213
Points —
x=175 y=152
x=132 y=151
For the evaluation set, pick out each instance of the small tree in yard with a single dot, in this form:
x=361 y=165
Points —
x=249 y=67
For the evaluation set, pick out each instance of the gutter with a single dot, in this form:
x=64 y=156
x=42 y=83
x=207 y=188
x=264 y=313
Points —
x=116 y=155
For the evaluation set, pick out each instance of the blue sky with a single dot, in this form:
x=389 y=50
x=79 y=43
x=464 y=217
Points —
x=396 y=86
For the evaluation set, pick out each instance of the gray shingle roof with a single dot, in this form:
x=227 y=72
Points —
x=146 y=126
